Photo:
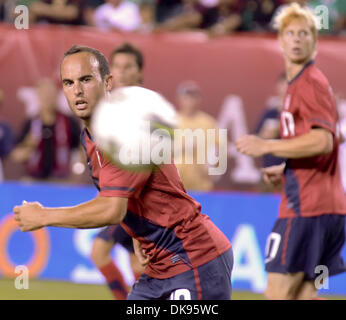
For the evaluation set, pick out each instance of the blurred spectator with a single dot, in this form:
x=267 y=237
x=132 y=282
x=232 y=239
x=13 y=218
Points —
x=6 y=137
x=121 y=15
x=269 y=124
x=257 y=14
x=225 y=17
x=57 y=11
x=194 y=176
x=147 y=11
x=89 y=8
x=46 y=141
x=166 y=9
x=7 y=10
x=190 y=16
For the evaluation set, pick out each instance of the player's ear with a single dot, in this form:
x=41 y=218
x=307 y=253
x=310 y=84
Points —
x=109 y=82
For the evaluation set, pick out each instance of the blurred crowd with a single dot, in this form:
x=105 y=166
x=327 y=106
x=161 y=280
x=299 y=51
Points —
x=215 y=17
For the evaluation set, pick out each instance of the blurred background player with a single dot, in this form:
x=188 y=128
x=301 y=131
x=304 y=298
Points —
x=269 y=127
x=56 y=11
x=46 y=141
x=6 y=138
x=126 y=65
x=194 y=176
x=186 y=255
x=310 y=230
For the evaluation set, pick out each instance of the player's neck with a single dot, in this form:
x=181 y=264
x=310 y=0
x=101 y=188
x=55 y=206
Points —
x=189 y=113
x=293 y=69
x=87 y=124
x=48 y=118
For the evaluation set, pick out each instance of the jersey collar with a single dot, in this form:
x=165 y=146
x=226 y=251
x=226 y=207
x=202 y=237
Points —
x=89 y=135
x=301 y=71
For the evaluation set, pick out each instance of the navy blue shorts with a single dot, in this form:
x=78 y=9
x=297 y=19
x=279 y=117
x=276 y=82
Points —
x=117 y=234
x=211 y=281
x=301 y=244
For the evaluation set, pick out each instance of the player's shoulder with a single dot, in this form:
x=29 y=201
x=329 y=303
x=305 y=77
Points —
x=208 y=119
x=315 y=78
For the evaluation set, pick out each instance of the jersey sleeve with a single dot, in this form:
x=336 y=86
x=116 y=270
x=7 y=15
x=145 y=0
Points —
x=319 y=106
x=116 y=182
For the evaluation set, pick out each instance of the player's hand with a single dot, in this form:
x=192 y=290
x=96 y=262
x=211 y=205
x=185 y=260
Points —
x=140 y=254
x=252 y=146
x=273 y=175
x=29 y=216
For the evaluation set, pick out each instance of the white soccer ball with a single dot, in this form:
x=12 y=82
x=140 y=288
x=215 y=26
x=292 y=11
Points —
x=134 y=127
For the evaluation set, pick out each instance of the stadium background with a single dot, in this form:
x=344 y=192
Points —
x=236 y=75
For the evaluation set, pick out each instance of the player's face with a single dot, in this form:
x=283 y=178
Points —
x=47 y=96
x=125 y=70
x=189 y=102
x=297 y=42
x=82 y=83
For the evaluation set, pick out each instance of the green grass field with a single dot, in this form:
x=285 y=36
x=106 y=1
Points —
x=53 y=290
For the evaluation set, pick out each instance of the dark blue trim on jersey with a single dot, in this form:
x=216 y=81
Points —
x=321 y=121
x=301 y=71
x=292 y=191
x=82 y=140
x=162 y=237
x=89 y=135
x=118 y=188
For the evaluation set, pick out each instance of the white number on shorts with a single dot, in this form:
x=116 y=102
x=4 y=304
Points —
x=180 y=294
x=272 y=246
x=287 y=122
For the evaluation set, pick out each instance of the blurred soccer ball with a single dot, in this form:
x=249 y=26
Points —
x=134 y=127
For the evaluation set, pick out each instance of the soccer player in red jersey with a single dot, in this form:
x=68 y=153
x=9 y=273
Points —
x=188 y=256
x=126 y=64
x=310 y=230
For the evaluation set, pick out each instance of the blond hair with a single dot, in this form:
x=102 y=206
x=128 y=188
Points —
x=293 y=12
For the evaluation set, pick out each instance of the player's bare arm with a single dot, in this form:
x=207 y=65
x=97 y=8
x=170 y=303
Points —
x=96 y=213
x=317 y=141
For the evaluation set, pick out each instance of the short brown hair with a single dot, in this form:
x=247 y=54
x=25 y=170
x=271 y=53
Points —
x=103 y=63
x=128 y=48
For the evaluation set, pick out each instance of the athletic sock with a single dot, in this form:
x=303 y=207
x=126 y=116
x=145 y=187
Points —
x=115 y=281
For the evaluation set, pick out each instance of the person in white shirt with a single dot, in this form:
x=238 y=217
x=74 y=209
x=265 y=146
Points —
x=121 y=15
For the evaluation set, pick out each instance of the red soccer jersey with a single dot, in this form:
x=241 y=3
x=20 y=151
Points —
x=312 y=186
x=161 y=215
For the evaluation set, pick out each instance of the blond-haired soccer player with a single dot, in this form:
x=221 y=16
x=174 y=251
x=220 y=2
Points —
x=310 y=230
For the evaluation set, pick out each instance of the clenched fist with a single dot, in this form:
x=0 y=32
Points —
x=252 y=146
x=29 y=215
